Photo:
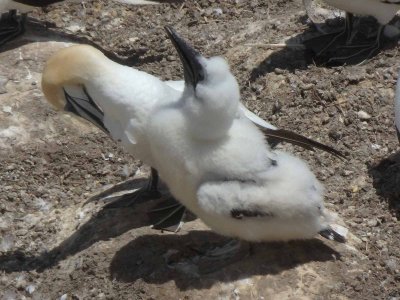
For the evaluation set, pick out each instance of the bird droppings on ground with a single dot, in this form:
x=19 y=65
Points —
x=54 y=247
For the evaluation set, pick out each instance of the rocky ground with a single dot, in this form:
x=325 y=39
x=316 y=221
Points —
x=53 y=246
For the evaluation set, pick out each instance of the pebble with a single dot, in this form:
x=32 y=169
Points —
x=392 y=265
x=64 y=297
x=362 y=115
x=30 y=288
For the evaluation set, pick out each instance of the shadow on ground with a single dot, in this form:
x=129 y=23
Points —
x=386 y=181
x=158 y=259
x=104 y=225
x=301 y=50
x=37 y=31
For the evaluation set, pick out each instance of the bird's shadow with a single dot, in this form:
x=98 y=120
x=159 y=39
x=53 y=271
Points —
x=148 y=258
x=158 y=258
x=386 y=181
x=39 y=31
x=105 y=224
x=300 y=50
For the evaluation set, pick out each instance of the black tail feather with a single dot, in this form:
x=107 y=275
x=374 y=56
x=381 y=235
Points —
x=299 y=140
x=332 y=235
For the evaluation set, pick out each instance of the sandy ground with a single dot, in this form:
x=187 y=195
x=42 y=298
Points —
x=53 y=246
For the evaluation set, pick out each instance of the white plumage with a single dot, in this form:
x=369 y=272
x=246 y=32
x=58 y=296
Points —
x=130 y=104
x=383 y=11
x=126 y=96
x=220 y=167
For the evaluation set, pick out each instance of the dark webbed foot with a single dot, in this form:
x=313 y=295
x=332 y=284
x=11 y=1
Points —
x=323 y=43
x=150 y=192
x=11 y=26
x=360 y=56
x=168 y=215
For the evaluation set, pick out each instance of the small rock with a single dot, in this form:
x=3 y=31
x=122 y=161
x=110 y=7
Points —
x=3 y=82
x=218 y=11
x=7 y=109
x=74 y=28
x=376 y=146
x=30 y=288
x=363 y=115
x=6 y=243
x=64 y=297
x=392 y=265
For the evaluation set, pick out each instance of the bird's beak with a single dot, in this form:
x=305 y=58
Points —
x=190 y=58
x=86 y=109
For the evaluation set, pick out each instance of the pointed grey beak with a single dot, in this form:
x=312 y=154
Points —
x=192 y=68
x=86 y=109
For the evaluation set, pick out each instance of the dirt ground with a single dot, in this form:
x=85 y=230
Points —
x=53 y=246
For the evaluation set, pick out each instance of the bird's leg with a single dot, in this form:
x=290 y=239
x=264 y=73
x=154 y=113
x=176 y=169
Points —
x=144 y=193
x=346 y=32
x=152 y=186
x=370 y=49
x=11 y=26
x=168 y=215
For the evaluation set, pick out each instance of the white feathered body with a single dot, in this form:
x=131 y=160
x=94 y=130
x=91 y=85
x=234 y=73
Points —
x=126 y=96
x=383 y=11
x=236 y=172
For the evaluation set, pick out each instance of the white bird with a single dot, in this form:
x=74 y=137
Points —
x=119 y=100
x=397 y=107
x=382 y=10
x=219 y=166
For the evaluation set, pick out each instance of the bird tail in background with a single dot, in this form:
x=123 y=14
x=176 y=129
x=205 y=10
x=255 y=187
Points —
x=332 y=235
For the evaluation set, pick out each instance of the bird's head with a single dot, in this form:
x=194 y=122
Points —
x=211 y=96
x=64 y=82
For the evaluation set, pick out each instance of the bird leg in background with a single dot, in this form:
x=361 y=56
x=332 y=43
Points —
x=168 y=215
x=371 y=49
x=152 y=186
x=11 y=26
x=346 y=32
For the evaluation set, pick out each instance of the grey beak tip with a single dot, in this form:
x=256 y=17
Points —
x=193 y=70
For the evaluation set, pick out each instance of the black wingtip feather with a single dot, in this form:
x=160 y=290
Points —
x=332 y=235
x=299 y=140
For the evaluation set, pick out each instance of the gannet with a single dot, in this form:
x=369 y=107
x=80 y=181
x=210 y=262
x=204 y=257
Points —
x=382 y=10
x=119 y=100
x=220 y=167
